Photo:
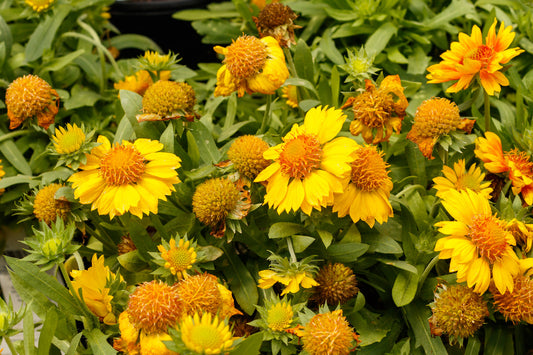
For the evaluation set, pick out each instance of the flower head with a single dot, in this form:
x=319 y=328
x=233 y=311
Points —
x=277 y=20
x=68 y=140
x=159 y=63
x=127 y=177
x=140 y=81
x=378 y=111
x=95 y=290
x=522 y=232
x=167 y=100
x=458 y=311
x=292 y=274
x=251 y=65
x=358 y=65
x=460 y=179
x=477 y=242
x=246 y=154
x=153 y=344
x=336 y=284
x=129 y=335
x=2 y=173
x=178 y=258
x=471 y=58
x=217 y=199
x=30 y=96
x=47 y=208
x=206 y=334
x=310 y=165
x=154 y=306
x=39 y=5
x=290 y=93
x=434 y=118
x=9 y=318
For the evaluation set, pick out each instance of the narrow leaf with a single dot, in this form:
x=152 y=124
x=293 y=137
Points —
x=98 y=342
x=47 y=332
x=72 y=350
x=44 y=33
x=417 y=314
x=241 y=282
x=29 y=334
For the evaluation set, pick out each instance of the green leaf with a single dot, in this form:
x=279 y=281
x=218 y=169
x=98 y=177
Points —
x=241 y=282
x=301 y=242
x=45 y=284
x=6 y=39
x=498 y=340
x=81 y=96
x=47 y=332
x=98 y=342
x=380 y=243
x=457 y=8
x=372 y=327
x=249 y=346
x=417 y=314
x=207 y=147
x=133 y=41
x=327 y=45
x=379 y=40
x=200 y=14
x=15 y=180
x=60 y=62
x=404 y=288
x=285 y=229
x=400 y=264
x=346 y=252
x=29 y=334
x=72 y=350
x=303 y=60
x=132 y=104
x=167 y=138
x=140 y=237
x=325 y=236
x=124 y=130
x=418 y=61
x=473 y=347
x=10 y=151
x=131 y=261
x=59 y=173
x=45 y=32
x=39 y=302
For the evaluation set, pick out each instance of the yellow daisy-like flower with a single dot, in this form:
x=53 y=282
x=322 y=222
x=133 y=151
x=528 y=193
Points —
x=251 y=65
x=290 y=93
x=129 y=336
x=156 y=59
x=127 y=177
x=460 y=179
x=471 y=58
x=516 y=163
x=279 y=316
x=39 y=5
x=152 y=344
x=523 y=233
x=179 y=258
x=477 y=242
x=292 y=281
x=47 y=208
x=140 y=81
x=434 y=118
x=206 y=334
x=68 y=140
x=328 y=333
x=378 y=109
x=168 y=100
x=30 y=96
x=310 y=165
x=246 y=154
x=366 y=197
x=96 y=295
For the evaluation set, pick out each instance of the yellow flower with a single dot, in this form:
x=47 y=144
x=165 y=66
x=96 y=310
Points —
x=152 y=344
x=168 y=100
x=251 y=65
x=127 y=177
x=366 y=197
x=279 y=316
x=206 y=334
x=156 y=59
x=140 y=81
x=460 y=179
x=336 y=284
x=246 y=154
x=30 y=96
x=2 y=173
x=290 y=93
x=381 y=109
x=154 y=306
x=308 y=167
x=47 y=208
x=69 y=140
x=292 y=281
x=277 y=20
x=328 y=333
x=523 y=233
x=96 y=295
x=515 y=162
x=178 y=258
x=470 y=58
x=458 y=311
x=129 y=336
x=434 y=118
x=477 y=242
x=39 y=5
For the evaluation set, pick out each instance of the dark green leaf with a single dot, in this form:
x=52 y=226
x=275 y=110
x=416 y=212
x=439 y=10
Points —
x=29 y=334
x=301 y=242
x=417 y=314
x=81 y=96
x=140 y=238
x=371 y=327
x=14 y=156
x=6 y=39
x=346 y=252
x=14 y=180
x=249 y=346
x=379 y=40
x=98 y=342
x=241 y=282
x=404 y=288
x=124 y=130
x=207 y=147
x=167 y=138
x=400 y=264
x=498 y=340
x=303 y=60
x=200 y=14
x=45 y=32
x=327 y=45
x=380 y=243
x=473 y=347
x=60 y=62
x=285 y=229
x=133 y=41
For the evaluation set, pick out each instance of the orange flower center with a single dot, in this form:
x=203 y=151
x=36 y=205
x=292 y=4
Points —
x=482 y=53
x=373 y=108
x=246 y=57
x=300 y=156
x=122 y=165
x=520 y=160
x=369 y=171
x=488 y=235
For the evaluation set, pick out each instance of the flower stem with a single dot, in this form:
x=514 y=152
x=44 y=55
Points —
x=290 y=61
x=291 y=249
x=10 y=345
x=266 y=117
x=427 y=270
x=486 y=109
x=13 y=134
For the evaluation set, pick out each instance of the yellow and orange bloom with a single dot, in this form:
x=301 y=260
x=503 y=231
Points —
x=47 y=208
x=434 y=118
x=246 y=155
x=168 y=100
x=292 y=282
x=310 y=165
x=178 y=258
x=2 y=173
x=460 y=179
x=93 y=283
x=366 y=196
x=522 y=232
x=70 y=140
x=140 y=81
x=378 y=111
x=127 y=177
x=470 y=58
x=290 y=93
x=30 y=96
x=251 y=65
x=39 y=5
x=206 y=334
x=477 y=242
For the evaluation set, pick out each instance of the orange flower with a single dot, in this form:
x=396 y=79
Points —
x=381 y=109
x=139 y=82
x=470 y=58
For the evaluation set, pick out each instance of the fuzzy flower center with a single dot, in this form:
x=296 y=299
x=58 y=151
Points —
x=488 y=234
x=300 y=156
x=437 y=116
x=280 y=317
x=246 y=153
x=516 y=306
x=122 y=165
x=214 y=199
x=373 y=108
x=166 y=97
x=46 y=208
x=482 y=53
x=520 y=161
x=246 y=57
x=27 y=96
x=369 y=171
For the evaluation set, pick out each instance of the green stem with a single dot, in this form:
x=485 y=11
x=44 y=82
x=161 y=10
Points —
x=266 y=116
x=13 y=134
x=11 y=346
x=290 y=61
x=487 y=111
x=427 y=270
x=291 y=249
